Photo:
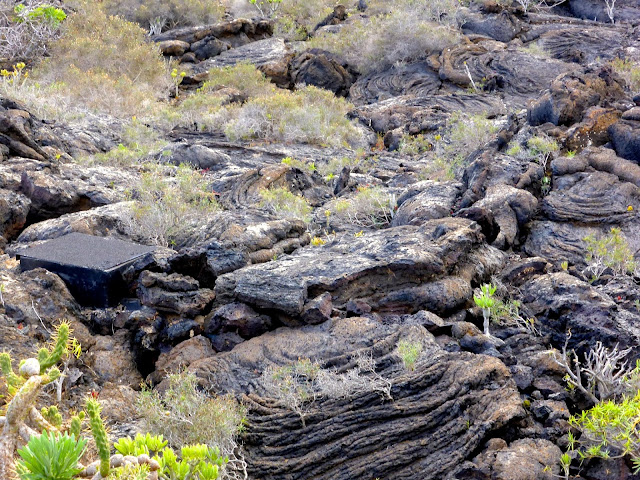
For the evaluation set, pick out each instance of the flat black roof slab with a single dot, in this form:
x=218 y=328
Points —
x=90 y=266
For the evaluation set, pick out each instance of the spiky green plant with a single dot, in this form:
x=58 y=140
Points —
x=99 y=435
x=486 y=301
x=50 y=456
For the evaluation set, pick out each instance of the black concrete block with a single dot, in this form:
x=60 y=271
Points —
x=90 y=266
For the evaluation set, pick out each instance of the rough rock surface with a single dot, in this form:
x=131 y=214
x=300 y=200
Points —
x=272 y=56
x=400 y=269
x=469 y=397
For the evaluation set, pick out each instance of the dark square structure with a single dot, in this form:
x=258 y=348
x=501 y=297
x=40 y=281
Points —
x=90 y=266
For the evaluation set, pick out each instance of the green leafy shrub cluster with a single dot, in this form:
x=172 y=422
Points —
x=447 y=150
x=308 y=115
x=40 y=13
x=285 y=204
x=185 y=415
x=101 y=64
x=409 y=352
x=26 y=29
x=404 y=31
x=610 y=430
x=370 y=207
x=629 y=70
x=167 y=14
x=167 y=208
x=51 y=456
x=610 y=251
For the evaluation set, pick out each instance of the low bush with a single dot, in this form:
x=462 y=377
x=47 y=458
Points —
x=166 y=209
x=629 y=70
x=284 y=204
x=409 y=352
x=296 y=386
x=185 y=415
x=447 y=150
x=610 y=430
x=370 y=207
x=102 y=63
x=166 y=14
x=308 y=115
x=610 y=251
x=406 y=32
x=27 y=28
x=138 y=142
x=244 y=77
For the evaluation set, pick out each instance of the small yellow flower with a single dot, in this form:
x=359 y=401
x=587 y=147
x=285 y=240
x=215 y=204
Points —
x=629 y=208
x=359 y=234
x=317 y=241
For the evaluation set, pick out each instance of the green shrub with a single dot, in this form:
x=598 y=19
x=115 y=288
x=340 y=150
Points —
x=609 y=251
x=167 y=13
x=448 y=149
x=166 y=209
x=309 y=115
x=184 y=415
x=629 y=70
x=103 y=63
x=244 y=77
x=486 y=301
x=406 y=32
x=138 y=142
x=409 y=352
x=300 y=165
x=26 y=29
x=542 y=148
x=50 y=457
x=370 y=207
x=284 y=204
x=610 y=430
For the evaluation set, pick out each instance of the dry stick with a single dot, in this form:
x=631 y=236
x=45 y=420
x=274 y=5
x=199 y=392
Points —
x=466 y=67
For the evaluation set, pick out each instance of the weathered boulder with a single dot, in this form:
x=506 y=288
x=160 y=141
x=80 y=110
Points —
x=426 y=201
x=563 y=303
x=424 y=114
x=173 y=48
x=207 y=262
x=109 y=220
x=625 y=138
x=416 y=79
x=502 y=27
x=512 y=209
x=174 y=293
x=441 y=412
x=322 y=69
x=17 y=132
x=14 y=208
x=578 y=43
x=624 y=11
x=238 y=318
x=516 y=73
x=181 y=357
x=238 y=32
x=113 y=361
x=571 y=94
x=526 y=459
x=592 y=192
x=272 y=56
x=209 y=47
x=401 y=269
